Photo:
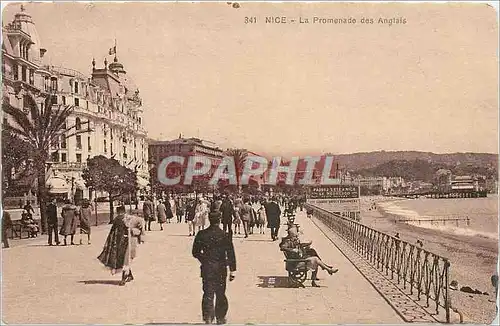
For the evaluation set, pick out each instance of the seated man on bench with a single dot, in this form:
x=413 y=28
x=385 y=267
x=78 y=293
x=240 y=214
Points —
x=30 y=224
x=291 y=244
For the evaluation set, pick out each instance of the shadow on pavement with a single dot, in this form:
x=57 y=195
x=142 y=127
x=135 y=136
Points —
x=259 y=240
x=275 y=282
x=179 y=323
x=104 y=282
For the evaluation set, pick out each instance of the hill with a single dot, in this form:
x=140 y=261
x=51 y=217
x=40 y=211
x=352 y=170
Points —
x=359 y=161
x=423 y=170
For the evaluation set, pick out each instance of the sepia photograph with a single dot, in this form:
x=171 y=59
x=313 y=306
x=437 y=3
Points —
x=218 y=162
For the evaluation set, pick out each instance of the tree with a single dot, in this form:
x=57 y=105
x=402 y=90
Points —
x=39 y=127
x=15 y=155
x=240 y=157
x=106 y=174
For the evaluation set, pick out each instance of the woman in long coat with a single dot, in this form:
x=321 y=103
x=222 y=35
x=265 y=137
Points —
x=168 y=210
x=173 y=208
x=246 y=217
x=201 y=217
x=148 y=212
x=161 y=212
x=261 y=219
x=121 y=245
x=191 y=217
x=85 y=214
x=70 y=221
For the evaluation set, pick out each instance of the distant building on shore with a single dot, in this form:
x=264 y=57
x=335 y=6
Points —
x=468 y=183
x=184 y=147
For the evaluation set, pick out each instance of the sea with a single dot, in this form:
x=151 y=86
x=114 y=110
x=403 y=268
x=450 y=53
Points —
x=482 y=214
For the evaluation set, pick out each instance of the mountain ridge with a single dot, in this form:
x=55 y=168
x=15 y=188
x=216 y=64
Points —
x=366 y=160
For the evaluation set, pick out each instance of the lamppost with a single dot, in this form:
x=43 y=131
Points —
x=151 y=168
x=72 y=189
x=136 y=199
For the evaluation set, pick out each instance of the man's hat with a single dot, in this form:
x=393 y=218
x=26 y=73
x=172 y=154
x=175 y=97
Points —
x=214 y=217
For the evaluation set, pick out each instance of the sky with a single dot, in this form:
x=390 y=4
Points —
x=430 y=84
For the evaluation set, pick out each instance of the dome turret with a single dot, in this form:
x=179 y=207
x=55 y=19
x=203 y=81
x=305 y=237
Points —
x=116 y=67
x=24 y=22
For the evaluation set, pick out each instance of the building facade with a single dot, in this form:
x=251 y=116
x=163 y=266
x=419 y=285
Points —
x=107 y=104
x=184 y=147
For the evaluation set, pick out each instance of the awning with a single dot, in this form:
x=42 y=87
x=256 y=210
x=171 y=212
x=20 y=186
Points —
x=79 y=183
x=58 y=185
x=142 y=183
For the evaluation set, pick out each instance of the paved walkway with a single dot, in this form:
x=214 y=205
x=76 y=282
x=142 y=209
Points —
x=44 y=284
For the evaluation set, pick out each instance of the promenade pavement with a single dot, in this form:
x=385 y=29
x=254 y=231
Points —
x=43 y=284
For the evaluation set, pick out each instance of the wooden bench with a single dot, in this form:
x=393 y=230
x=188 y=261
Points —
x=18 y=230
x=296 y=268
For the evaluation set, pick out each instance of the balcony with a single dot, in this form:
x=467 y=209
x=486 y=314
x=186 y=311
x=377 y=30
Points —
x=68 y=166
x=65 y=71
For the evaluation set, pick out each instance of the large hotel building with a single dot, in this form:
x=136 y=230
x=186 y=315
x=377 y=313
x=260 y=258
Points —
x=107 y=103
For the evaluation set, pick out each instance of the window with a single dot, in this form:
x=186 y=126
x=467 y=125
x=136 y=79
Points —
x=88 y=144
x=76 y=87
x=77 y=102
x=54 y=99
x=23 y=74
x=63 y=157
x=25 y=103
x=63 y=141
x=78 y=142
x=53 y=84
x=32 y=77
x=55 y=157
x=87 y=104
x=78 y=123
x=54 y=143
x=46 y=84
x=105 y=146
x=64 y=100
x=79 y=158
x=111 y=148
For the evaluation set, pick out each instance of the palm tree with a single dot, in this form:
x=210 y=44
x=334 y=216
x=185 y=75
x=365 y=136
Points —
x=39 y=127
x=240 y=157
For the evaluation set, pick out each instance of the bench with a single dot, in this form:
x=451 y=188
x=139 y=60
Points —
x=18 y=230
x=296 y=268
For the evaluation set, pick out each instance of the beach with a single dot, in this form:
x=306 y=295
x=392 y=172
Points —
x=472 y=250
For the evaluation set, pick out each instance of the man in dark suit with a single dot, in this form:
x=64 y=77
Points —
x=227 y=210
x=6 y=224
x=215 y=251
x=52 y=221
x=273 y=213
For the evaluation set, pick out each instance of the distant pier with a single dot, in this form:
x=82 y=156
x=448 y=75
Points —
x=443 y=194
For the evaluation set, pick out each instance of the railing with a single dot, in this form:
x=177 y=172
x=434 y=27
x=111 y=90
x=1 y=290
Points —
x=423 y=273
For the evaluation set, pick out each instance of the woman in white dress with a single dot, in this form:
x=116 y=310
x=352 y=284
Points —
x=201 y=216
x=173 y=206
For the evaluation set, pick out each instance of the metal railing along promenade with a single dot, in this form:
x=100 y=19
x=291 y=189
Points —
x=421 y=272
